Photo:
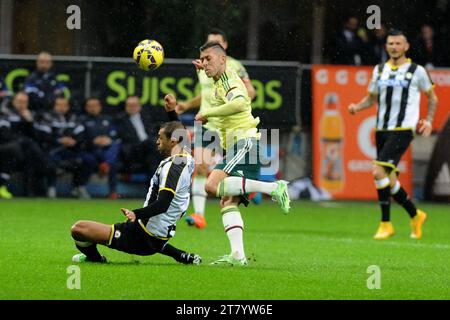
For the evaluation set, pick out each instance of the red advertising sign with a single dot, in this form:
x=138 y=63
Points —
x=344 y=144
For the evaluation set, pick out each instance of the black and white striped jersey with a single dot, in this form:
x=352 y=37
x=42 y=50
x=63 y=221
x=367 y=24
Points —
x=174 y=174
x=398 y=90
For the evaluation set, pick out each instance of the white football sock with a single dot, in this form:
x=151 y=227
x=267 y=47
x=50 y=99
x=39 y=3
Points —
x=234 y=228
x=199 y=194
x=396 y=187
x=237 y=186
x=383 y=183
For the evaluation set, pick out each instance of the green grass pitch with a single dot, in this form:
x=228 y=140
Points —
x=318 y=251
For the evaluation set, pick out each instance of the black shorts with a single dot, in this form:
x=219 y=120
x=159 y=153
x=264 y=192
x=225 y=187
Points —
x=391 y=145
x=129 y=237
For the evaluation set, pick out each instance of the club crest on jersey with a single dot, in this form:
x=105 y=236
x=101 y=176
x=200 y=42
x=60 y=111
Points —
x=409 y=76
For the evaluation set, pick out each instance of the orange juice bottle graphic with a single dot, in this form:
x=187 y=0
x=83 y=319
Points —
x=331 y=146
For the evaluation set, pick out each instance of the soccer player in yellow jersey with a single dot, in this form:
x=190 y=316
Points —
x=203 y=152
x=239 y=136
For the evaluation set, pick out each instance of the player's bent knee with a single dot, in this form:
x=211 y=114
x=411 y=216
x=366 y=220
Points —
x=379 y=172
x=229 y=201
x=202 y=169
x=211 y=187
x=78 y=228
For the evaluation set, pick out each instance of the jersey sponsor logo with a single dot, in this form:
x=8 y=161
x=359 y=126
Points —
x=393 y=83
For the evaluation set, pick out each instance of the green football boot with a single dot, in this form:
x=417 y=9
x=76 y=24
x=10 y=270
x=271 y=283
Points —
x=281 y=196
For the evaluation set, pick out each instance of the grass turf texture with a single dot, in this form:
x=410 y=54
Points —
x=319 y=251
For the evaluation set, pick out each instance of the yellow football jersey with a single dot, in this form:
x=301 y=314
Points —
x=238 y=125
x=207 y=84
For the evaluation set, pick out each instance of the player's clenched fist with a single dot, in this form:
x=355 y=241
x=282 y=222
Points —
x=353 y=108
x=170 y=102
x=198 y=64
x=425 y=128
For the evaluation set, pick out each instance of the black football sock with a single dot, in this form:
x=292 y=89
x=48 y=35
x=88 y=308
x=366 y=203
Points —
x=384 y=199
x=402 y=199
x=91 y=252
x=177 y=254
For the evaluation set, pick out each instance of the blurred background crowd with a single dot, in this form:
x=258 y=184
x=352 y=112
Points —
x=40 y=136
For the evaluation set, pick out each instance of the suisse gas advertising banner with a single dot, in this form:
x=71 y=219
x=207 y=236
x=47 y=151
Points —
x=344 y=144
x=276 y=86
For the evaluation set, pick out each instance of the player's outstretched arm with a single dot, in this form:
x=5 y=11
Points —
x=365 y=103
x=171 y=104
x=157 y=207
x=426 y=125
x=250 y=88
x=194 y=103
x=234 y=106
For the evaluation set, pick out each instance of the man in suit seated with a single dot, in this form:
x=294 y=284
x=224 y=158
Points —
x=101 y=145
x=137 y=132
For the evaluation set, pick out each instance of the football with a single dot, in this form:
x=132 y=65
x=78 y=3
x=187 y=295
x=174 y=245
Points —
x=148 y=55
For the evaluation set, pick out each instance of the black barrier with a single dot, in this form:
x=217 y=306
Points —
x=437 y=182
x=277 y=96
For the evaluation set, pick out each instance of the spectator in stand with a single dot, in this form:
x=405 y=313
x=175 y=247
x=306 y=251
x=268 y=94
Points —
x=377 y=46
x=5 y=92
x=63 y=145
x=427 y=50
x=23 y=130
x=102 y=145
x=349 y=47
x=42 y=86
x=137 y=132
x=10 y=153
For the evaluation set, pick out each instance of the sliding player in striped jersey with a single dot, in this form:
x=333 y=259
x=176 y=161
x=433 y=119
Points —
x=396 y=86
x=148 y=229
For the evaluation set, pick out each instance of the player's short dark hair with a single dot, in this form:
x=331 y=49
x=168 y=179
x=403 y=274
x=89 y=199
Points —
x=212 y=44
x=395 y=32
x=175 y=129
x=216 y=31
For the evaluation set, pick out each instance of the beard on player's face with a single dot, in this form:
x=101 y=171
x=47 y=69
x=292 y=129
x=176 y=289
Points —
x=164 y=149
x=397 y=54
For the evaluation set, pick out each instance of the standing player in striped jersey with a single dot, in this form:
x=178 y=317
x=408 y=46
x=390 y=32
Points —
x=396 y=86
x=148 y=230
x=237 y=176
x=203 y=153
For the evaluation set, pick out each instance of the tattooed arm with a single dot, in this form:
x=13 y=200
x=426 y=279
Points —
x=426 y=125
